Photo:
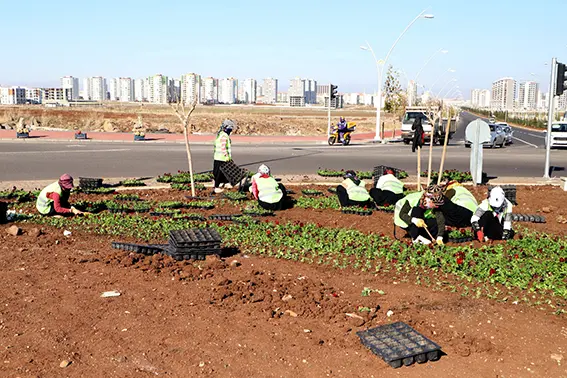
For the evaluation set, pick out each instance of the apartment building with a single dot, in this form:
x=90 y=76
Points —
x=528 y=95
x=503 y=94
x=270 y=90
x=210 y=89
x=412 y=93
x=70 y=82
x=140 y=90
x=34 y=96
x=228 y=89
x=158 y=89
x=12 y=95
x=296 y=92
x=57 y=94
x=126 y=89
x=248 y=90
x=113 y=89
x=190 y=88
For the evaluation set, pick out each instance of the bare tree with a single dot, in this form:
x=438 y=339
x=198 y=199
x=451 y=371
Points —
x=433 y=115
x=184 y=114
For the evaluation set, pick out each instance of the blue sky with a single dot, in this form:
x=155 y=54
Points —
x=251 y=38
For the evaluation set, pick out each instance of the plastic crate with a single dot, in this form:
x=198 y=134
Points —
x=233 y=172
x=90 y=183
x=399 y=344
x=194 y=237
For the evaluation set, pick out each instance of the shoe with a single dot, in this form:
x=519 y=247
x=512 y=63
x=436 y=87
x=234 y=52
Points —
x=221 y=185
x=228 y=186
x=421 y=240
x=218 y=190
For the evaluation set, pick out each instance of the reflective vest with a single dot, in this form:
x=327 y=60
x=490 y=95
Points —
x=43 y=204
x=356 y=192
x=392 y=184
x=413 y=199
x=222 y=147
x=268 y=190
x=464 y=198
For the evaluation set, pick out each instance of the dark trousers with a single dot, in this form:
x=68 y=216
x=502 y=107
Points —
x=491 y=226
x=345 y=201
x=218 y=176
x=455 y=215
x=283 y=204
x=384 y=197
x=415 y=231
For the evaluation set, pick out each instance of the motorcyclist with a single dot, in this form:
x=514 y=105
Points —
x=342 y=128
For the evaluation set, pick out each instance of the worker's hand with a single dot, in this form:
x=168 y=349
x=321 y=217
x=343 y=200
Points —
x=506 y=234
x=480 y=236
x=440 y=240
x=418 y=222
x=75 y=210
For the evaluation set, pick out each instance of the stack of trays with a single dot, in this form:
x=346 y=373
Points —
x=194 y=243
x=90 y=183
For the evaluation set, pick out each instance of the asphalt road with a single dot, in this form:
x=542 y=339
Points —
x=39 y=160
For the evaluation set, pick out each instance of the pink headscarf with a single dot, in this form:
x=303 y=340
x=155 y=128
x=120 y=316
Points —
x=66 y=181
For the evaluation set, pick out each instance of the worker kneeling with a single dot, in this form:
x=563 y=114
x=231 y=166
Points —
x=352 y=191
x=54 y=198
x=493 y=217
x=458 y=206
x=418 y=213
x=270 y=194
x=388 y=190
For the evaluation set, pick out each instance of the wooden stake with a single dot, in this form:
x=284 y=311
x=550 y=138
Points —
x=430 y=154
x=442 y=166
x=429 y=233
x=418 y=168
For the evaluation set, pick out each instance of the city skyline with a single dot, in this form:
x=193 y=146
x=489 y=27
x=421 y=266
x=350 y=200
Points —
x=127 y=47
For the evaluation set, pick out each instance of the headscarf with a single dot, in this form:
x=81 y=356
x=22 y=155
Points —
x=66 y=182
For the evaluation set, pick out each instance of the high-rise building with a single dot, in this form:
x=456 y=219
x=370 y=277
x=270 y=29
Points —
x=249 y=91
x=527 y=95
x=125 y=89
x=484 y=98
x=270 y=88
x=72 y=83
x=98 y=88
x=296 y=92
x=503 y=94
x=12 y=95
x=139 y=90
x=86 y=92
x=228 y=90
x=210 y=88
x=190 y=88
x=412 y=93
x=158 y=89
x=310 y=91
x=114 y=89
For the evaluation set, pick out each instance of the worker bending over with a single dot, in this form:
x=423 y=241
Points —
x=270 y=194
x=493 y=217
x=458 y=206
x=388 y=190
x=54 y=198
x=352 y=191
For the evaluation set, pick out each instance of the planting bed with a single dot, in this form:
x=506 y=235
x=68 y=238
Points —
x=281 y=309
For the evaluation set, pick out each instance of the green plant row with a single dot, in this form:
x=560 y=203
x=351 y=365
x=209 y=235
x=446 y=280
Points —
x=450 y=174
x=182 y=177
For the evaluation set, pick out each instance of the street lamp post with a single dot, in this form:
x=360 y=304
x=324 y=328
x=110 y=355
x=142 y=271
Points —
x=380 y=64
x=442 y=76
x=442 y=51
x=443 y=87
x=455 y=86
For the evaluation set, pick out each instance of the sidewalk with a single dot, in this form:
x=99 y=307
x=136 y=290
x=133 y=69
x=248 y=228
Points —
x=50 y=135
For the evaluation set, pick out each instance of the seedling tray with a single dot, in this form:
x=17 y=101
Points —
x=197 y=254
x=460 y=240
x=357 y=212
x=192 y=217
x=311 y=193
x=193 y=206
x=233 y=172
x=224 y=217
x=528 y=218
x=236 y=196
x=3 y=210
x=148 y=249
x=257 y=213
x=194 y=237
x=90 y=183
x=398 y=344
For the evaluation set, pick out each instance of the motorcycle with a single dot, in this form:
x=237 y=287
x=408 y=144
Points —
x=334 y=138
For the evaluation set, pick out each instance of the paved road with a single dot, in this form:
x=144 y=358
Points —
x=38 y=160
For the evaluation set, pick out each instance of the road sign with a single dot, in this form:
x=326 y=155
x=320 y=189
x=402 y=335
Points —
x=476 y=133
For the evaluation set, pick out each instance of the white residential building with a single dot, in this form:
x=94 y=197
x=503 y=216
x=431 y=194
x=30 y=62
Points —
x=412 y=93
x=140 y=90
x=270 y=90
x=228 y=90
x=158 y=89
x=33 y=95
x=351 y=98
x=12 y=95
x=86 y=92
x=113 y=89
x=282 y=98
x=210 y=89
x=475 y=93
x=259 y=90
x=503 y=94
x=527 y=95
x=296 y=92
x=249 y=92
x=126 y=89
x=484 y=98
x=72 y=83
x=190 y=88
x=56 y=94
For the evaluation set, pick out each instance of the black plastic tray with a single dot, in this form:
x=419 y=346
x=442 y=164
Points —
x=194 y=237
x=362 y=213
x=528 y=218
x=398 y=344
x=148 y=249
x=225 y=217
x=233 y=172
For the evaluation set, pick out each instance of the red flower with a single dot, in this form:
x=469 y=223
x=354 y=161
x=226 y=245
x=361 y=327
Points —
x=334 y=295
x=394 y=261
x=460 y=261
x=277 y=223
x=561 y=259
x=301 y=224
x=516 y=256
x=492 y=271
x=268 y=232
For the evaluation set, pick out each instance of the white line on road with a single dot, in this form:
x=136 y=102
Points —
x=528 y=143
x=62 y=152
x=537 y=136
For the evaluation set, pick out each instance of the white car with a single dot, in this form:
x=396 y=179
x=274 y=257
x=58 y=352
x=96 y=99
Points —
x=558 y=134
x=508 y=132
x=497 y=137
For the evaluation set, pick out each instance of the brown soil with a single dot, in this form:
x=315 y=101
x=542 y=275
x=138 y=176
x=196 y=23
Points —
x=217 y=318
x=250 y=120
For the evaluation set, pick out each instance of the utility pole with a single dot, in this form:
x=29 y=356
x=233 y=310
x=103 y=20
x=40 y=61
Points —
x=329 y=113
x=552 y=90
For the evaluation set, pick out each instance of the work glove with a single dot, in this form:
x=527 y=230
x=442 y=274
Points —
x=480 y=236
x=507 y=234
x=75 y=210
x=475 y=226
x=440 y=241
x=418 y=222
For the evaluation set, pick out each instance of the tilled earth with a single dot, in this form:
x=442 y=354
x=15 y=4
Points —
x=248 y=316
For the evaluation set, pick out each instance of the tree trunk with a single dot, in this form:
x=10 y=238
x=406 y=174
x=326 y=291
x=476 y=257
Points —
x=418 y=168
x=186 y=133
x=441 y=167
x=430 y=154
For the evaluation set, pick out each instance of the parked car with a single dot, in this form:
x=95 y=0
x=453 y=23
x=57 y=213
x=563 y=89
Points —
x=508 y=132
x=558 y=135
x=497 y=137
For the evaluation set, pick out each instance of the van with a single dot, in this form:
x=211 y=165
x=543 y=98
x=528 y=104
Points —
x=558 y=135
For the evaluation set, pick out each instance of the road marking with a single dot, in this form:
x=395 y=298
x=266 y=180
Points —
x=62 y=152
x=537 y=136
x=528 y=143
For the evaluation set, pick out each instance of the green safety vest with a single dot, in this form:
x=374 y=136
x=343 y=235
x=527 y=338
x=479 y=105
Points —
x=222 y=151
x=413 y=199
x=464 y=198
x=43 y=204
x=268 y=190
x=393 y=185
x=356 y=192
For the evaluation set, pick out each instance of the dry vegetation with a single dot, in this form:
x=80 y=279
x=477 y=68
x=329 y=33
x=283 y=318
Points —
x=251 y=120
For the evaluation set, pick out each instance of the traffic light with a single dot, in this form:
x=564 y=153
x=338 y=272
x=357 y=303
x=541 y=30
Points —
x=560 y=86
x=333 y=91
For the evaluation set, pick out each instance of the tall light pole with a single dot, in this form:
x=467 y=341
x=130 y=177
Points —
x=441 y=77
x=455 y=86
x=443 y=87
x=380 y=64
x=441 y=50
